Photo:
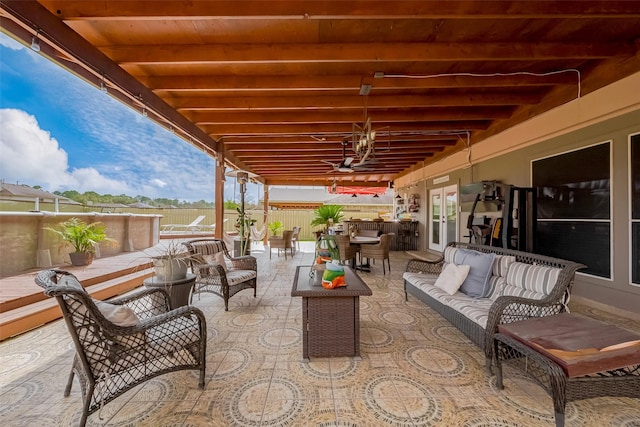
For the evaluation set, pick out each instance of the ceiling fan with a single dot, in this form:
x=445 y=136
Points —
x=349 y=164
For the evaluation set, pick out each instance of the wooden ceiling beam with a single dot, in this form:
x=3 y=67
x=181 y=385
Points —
x=333 y=116
x=338 y=9
x=219 y=131
x=356 y=102
x=304 y=141
x=263 y=83
x=312 y=144
x=361 y=52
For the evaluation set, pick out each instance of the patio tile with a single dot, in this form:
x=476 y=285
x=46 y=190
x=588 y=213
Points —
x=415 y=369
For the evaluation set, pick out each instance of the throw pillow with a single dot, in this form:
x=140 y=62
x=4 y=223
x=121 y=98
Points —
x=452 y=277
x=120 y=315
x=217 y=258
x=477 y=282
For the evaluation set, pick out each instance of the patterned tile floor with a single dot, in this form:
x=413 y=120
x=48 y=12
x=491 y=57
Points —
x=416 y=370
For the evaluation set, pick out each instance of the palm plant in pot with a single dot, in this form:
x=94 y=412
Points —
x=326 y=216
x=83 y=238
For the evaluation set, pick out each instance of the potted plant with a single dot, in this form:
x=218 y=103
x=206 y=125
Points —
x=275 y=227
x=327 y=215
x=83 y=238
x=243 y=225
x=172 y=263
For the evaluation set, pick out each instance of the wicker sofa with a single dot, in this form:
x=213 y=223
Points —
x=520 y=285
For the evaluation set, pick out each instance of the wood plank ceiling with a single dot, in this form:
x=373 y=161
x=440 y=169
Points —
x=275 y=86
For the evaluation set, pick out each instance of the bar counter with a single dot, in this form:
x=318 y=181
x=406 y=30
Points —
x=405 y=238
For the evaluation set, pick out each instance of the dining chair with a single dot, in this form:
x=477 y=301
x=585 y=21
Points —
x=346 y=250
x=378 y=251
x=284 y=242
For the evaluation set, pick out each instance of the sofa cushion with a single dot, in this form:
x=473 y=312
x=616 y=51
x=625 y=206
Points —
x=475 y=309
x=477 y=282
x=538 y=279
x=420 y=280
x=450 y=254
x=496 y=287
x=501 y=265
x=452 y=277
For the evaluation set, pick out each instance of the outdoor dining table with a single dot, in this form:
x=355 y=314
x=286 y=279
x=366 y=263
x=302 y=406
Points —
x=364 y=240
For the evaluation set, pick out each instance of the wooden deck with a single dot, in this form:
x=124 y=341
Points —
x=24 y=306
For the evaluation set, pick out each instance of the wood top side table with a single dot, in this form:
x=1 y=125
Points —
x=572 y=356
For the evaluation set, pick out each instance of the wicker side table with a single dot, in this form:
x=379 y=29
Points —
x=583 y=379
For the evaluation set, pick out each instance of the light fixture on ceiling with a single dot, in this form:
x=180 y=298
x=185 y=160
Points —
x=35 y=43
x=365 y=89
x=103 y=85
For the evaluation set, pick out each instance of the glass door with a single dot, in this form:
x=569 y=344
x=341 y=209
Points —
x=443 y=217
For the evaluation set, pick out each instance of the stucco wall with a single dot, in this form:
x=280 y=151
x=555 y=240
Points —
x=25 y=244
x=610 y=114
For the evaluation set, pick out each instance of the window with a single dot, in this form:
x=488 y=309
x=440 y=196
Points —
x=574 y=207
x=635 y=207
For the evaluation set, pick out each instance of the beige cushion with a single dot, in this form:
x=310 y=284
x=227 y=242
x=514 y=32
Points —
x=452 y=277
x=217 y=258
x=120 y=315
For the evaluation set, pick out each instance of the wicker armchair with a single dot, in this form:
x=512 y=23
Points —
x=378 y=251
x=217 y=278
x=346 y=249
x=284 y=242
x=113 y=356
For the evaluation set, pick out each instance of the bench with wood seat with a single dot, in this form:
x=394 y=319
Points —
x=572 y=356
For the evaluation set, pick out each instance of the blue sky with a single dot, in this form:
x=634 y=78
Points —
x=61 y=133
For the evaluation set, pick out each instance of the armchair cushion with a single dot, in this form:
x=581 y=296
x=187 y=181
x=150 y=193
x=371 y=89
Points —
x=120 y=315
x=217 y=258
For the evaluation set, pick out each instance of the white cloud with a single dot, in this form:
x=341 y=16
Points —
x=8 y=42
x=158 y=183
x=32 y=156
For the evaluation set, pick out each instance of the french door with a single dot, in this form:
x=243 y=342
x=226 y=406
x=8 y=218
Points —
x=443 y=217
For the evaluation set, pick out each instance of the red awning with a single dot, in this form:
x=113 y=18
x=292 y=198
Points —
x=361 y=191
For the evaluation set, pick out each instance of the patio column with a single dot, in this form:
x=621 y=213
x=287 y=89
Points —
x=266 y=212
x=219 y=190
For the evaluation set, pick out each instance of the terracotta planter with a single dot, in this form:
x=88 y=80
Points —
x=81 y=258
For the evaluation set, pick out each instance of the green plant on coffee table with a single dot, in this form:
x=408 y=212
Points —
x=82 y=237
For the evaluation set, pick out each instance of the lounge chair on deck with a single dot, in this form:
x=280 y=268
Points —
x=211 y=228
x=194 y=226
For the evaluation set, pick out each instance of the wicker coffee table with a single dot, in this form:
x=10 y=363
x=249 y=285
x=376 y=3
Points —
x=330 y=317
x=572 y=356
